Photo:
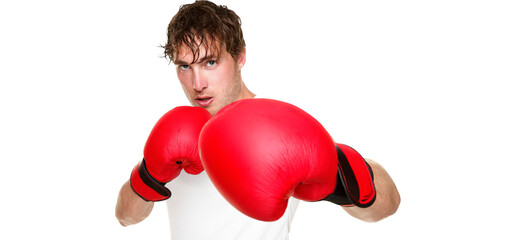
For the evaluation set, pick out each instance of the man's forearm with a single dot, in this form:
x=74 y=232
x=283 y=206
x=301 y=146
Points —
x=387 y=197
x=130 y=208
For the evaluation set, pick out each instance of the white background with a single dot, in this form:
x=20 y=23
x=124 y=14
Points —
x=426 y=88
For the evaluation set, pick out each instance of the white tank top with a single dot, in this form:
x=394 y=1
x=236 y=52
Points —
x=197 y=211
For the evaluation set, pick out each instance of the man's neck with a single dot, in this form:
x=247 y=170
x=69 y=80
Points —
x=246 y=93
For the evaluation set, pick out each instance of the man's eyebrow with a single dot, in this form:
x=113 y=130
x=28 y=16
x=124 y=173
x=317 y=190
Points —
x=207 y=57
x=180 y=62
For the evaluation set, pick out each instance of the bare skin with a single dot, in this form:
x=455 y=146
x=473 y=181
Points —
x=387 y=197
x=131 y=208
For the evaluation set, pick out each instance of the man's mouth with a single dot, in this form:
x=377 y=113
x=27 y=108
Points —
x=204 y=101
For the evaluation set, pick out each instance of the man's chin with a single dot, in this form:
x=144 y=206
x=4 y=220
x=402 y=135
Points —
x=212 y=110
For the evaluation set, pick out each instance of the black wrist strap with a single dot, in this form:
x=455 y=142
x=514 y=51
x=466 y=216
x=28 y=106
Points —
x=346 y=190
x=151 y=182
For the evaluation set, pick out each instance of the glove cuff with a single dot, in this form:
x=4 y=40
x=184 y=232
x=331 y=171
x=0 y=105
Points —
x=355 y=185
x=145 y=186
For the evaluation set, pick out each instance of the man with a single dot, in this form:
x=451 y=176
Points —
x=206 y=44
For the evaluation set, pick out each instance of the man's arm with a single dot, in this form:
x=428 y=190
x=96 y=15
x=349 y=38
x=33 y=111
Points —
x=131 y=208
x=387 y=197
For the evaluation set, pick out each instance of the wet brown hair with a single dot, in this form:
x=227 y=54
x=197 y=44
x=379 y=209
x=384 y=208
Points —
x=204 y=23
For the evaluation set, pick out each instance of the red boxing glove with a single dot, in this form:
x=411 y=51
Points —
x=260 y=152
x=171 y=146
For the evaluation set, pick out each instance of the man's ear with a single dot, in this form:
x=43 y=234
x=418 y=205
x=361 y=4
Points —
x=241 y=59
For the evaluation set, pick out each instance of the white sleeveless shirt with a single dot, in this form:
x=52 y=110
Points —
x=198 y=211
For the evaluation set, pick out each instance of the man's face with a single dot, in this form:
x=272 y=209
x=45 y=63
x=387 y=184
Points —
x=211 y=82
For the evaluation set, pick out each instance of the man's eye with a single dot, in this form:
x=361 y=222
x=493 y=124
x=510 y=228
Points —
x=211 y=63
x=183 y=67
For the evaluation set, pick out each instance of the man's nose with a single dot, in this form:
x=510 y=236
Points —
x=199 y=82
